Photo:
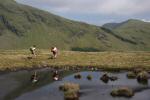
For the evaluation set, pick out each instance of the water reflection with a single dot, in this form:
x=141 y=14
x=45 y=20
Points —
x=90 y=90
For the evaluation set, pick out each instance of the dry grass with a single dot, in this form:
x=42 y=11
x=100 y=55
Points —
x=124 y=60
x=122 y=91
x=70 y=90
x=70 y=86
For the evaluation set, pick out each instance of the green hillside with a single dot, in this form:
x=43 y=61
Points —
x=111 y=26
x=22 y=26
x=134 y=30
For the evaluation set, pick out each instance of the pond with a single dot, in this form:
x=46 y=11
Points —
x=46 y=89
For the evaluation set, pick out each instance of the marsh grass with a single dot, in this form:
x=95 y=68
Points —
x=18 y=59
x=131 y=75
x=142 y=77
x=71 y=91
x=122 y=92
x=89 y=77
x=70 y=87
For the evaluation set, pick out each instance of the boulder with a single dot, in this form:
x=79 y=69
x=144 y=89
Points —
x=105 y=78
x=77 y=76
x=113 y=78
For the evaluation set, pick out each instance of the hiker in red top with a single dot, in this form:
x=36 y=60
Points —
x=54 y=50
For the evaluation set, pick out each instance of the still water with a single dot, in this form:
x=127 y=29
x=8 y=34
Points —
x=93 y=89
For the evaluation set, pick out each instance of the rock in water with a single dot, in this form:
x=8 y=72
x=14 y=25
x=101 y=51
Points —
x=105 y=78
x=113 y=78
x=77 y=76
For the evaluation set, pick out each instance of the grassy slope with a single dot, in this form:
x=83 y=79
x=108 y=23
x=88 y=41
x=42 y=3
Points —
x=123 y=60
x=22 y=26
x=138 y=31
x=44 y=29
x=134 y=30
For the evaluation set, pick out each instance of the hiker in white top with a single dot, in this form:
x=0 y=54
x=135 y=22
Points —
x=54 y=50
x=32 y=49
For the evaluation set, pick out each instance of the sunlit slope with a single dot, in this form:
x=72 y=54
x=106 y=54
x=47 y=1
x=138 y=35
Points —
x=22 y=26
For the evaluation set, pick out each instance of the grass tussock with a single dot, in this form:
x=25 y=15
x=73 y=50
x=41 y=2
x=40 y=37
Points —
x=131 y=75
x=69 y=87
x=71 y=91
x=122 y=92
x=142 y=77
x=89 y=77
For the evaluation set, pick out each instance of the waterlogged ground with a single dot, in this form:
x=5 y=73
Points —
x=20 y=87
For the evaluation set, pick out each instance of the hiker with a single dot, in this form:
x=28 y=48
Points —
x=54 y=50
x=32 y=49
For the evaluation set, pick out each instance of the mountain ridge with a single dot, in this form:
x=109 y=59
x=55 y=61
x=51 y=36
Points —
x=134 y=30
x=22 y=26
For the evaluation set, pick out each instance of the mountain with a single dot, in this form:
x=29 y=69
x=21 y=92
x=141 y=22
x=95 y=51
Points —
x=111 y=26
x=134 y=30
x=22 y=26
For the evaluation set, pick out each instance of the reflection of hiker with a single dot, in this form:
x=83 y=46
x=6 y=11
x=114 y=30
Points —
x=54 y=50
x=32 y=49
x=56 y=75
x=34 y=77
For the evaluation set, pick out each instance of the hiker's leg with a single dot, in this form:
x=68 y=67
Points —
x=34 y=53
x=55 y=54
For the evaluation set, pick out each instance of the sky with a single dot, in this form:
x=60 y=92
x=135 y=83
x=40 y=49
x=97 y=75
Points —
x=97 y=12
